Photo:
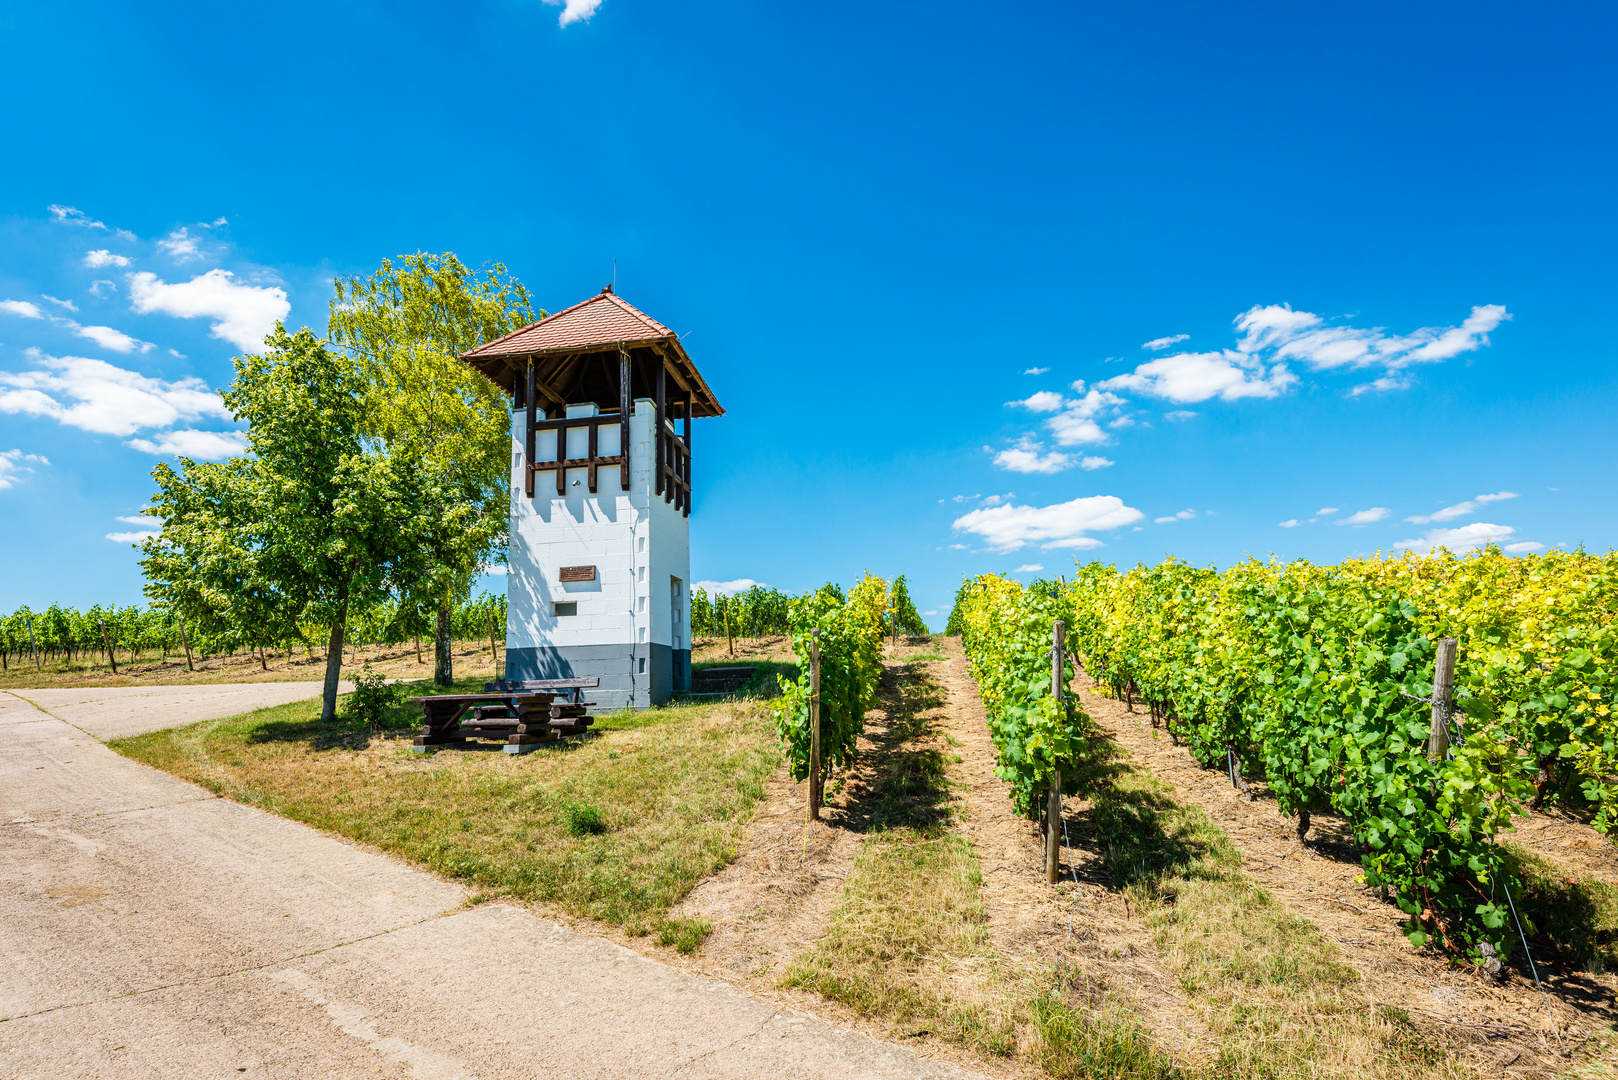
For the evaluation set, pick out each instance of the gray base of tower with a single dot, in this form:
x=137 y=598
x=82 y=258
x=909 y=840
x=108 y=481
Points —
x=632 y=676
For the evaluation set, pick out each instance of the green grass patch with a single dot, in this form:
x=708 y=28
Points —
x=615 y=826
x=1269 y=986
x=1575 y=914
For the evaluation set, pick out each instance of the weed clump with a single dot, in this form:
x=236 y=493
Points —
x=583 y=819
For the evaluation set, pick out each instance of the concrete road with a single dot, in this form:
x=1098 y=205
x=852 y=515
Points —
x=148 y=929
x=116 y=712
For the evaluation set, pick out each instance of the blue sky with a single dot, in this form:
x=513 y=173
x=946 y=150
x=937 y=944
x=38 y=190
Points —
x=980 y=288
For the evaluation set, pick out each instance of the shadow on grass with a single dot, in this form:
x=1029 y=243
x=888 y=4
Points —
x=1137 y=829
x=909 y=785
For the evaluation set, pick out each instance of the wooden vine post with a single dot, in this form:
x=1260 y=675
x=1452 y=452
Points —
x=32 y=645
x=494 y=657
x=187 y=643
x=1053 y=811
x=1443 y=699
x=111 y=659
x=814 y=724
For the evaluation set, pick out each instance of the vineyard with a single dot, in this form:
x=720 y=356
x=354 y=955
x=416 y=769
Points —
x=65 y=637
x=1319 y=681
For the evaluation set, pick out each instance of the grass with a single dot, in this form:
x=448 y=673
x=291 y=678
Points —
x=1571 y=917
x=1273 y=991
x=909 y=938
x=615 y=826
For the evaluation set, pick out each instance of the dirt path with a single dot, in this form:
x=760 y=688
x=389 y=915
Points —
x=1319 y=881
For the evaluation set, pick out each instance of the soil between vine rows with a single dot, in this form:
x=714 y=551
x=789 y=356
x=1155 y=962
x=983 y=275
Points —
x=1502 y=1027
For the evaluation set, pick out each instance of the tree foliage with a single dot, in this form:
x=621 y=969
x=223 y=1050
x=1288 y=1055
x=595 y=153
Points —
x=405 y=328
x=314 y=521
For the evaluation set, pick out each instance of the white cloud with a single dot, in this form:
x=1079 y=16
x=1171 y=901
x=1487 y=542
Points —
x=1300 y=335
x=1007 y=528
x=191 y=443
x=1467 y=538
x=67 y=215
x=1028 y=456
x=957 y=547
x=574 y=10
x=1191 y=377
x=1525 y=547
x=1029 y=568
x=21 y=307
x=1093 y=463
x=1179 y=416
x=70 y=305
x=1186 y=515
x=1043 y=401
x=132 y=537
x=1461 y=509
x=1070 y=429
x=1365 y=517
x=1077 y=423
x=1159 y=344
x=1289 y=523
x=180 y=245
x=1036 y=371
x=96 y=396
x=108 y=338
x=103 y=257
x=1324 y=510
x=725 y=588
x=95 y=287
x=996 y=500
x=148 y=521
x=497 y=570
x=244 y=313
x=13 y=463
x=1123 y=422
x=1272 y=336
x=1170 y=520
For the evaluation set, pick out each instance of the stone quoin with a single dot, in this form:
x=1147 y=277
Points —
x=600 y=557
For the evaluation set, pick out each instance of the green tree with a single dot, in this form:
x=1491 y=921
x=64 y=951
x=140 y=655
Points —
x=315 y=522
x=405 y=327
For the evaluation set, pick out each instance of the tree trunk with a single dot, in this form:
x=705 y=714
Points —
x=334 y=671
x=443 y=662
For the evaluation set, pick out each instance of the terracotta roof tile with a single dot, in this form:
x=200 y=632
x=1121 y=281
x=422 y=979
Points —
x=604 y=319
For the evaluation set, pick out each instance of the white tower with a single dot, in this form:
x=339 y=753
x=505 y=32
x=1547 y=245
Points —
x=600 y=557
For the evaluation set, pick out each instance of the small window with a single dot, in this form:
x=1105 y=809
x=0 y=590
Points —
x=566 y=607
x=643 y=665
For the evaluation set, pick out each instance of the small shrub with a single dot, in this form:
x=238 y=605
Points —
x=372 y=700
x=583 y=819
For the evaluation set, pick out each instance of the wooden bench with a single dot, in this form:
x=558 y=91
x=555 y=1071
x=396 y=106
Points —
x=523 y=717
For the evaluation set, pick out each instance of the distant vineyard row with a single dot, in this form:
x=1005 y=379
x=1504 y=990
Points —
x=65 y=633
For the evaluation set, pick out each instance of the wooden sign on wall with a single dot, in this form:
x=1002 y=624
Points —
x=578 y=573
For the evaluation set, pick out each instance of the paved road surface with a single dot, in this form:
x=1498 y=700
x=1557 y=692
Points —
x=116 y=712
x=148 y=929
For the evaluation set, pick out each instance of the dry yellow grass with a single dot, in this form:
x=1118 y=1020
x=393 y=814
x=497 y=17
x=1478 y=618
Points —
x=674 y=787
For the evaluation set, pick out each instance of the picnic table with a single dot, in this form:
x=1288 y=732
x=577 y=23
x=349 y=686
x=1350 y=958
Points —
x=523 y=714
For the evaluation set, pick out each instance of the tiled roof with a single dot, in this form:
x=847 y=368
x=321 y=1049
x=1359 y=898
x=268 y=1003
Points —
x=604 y=319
